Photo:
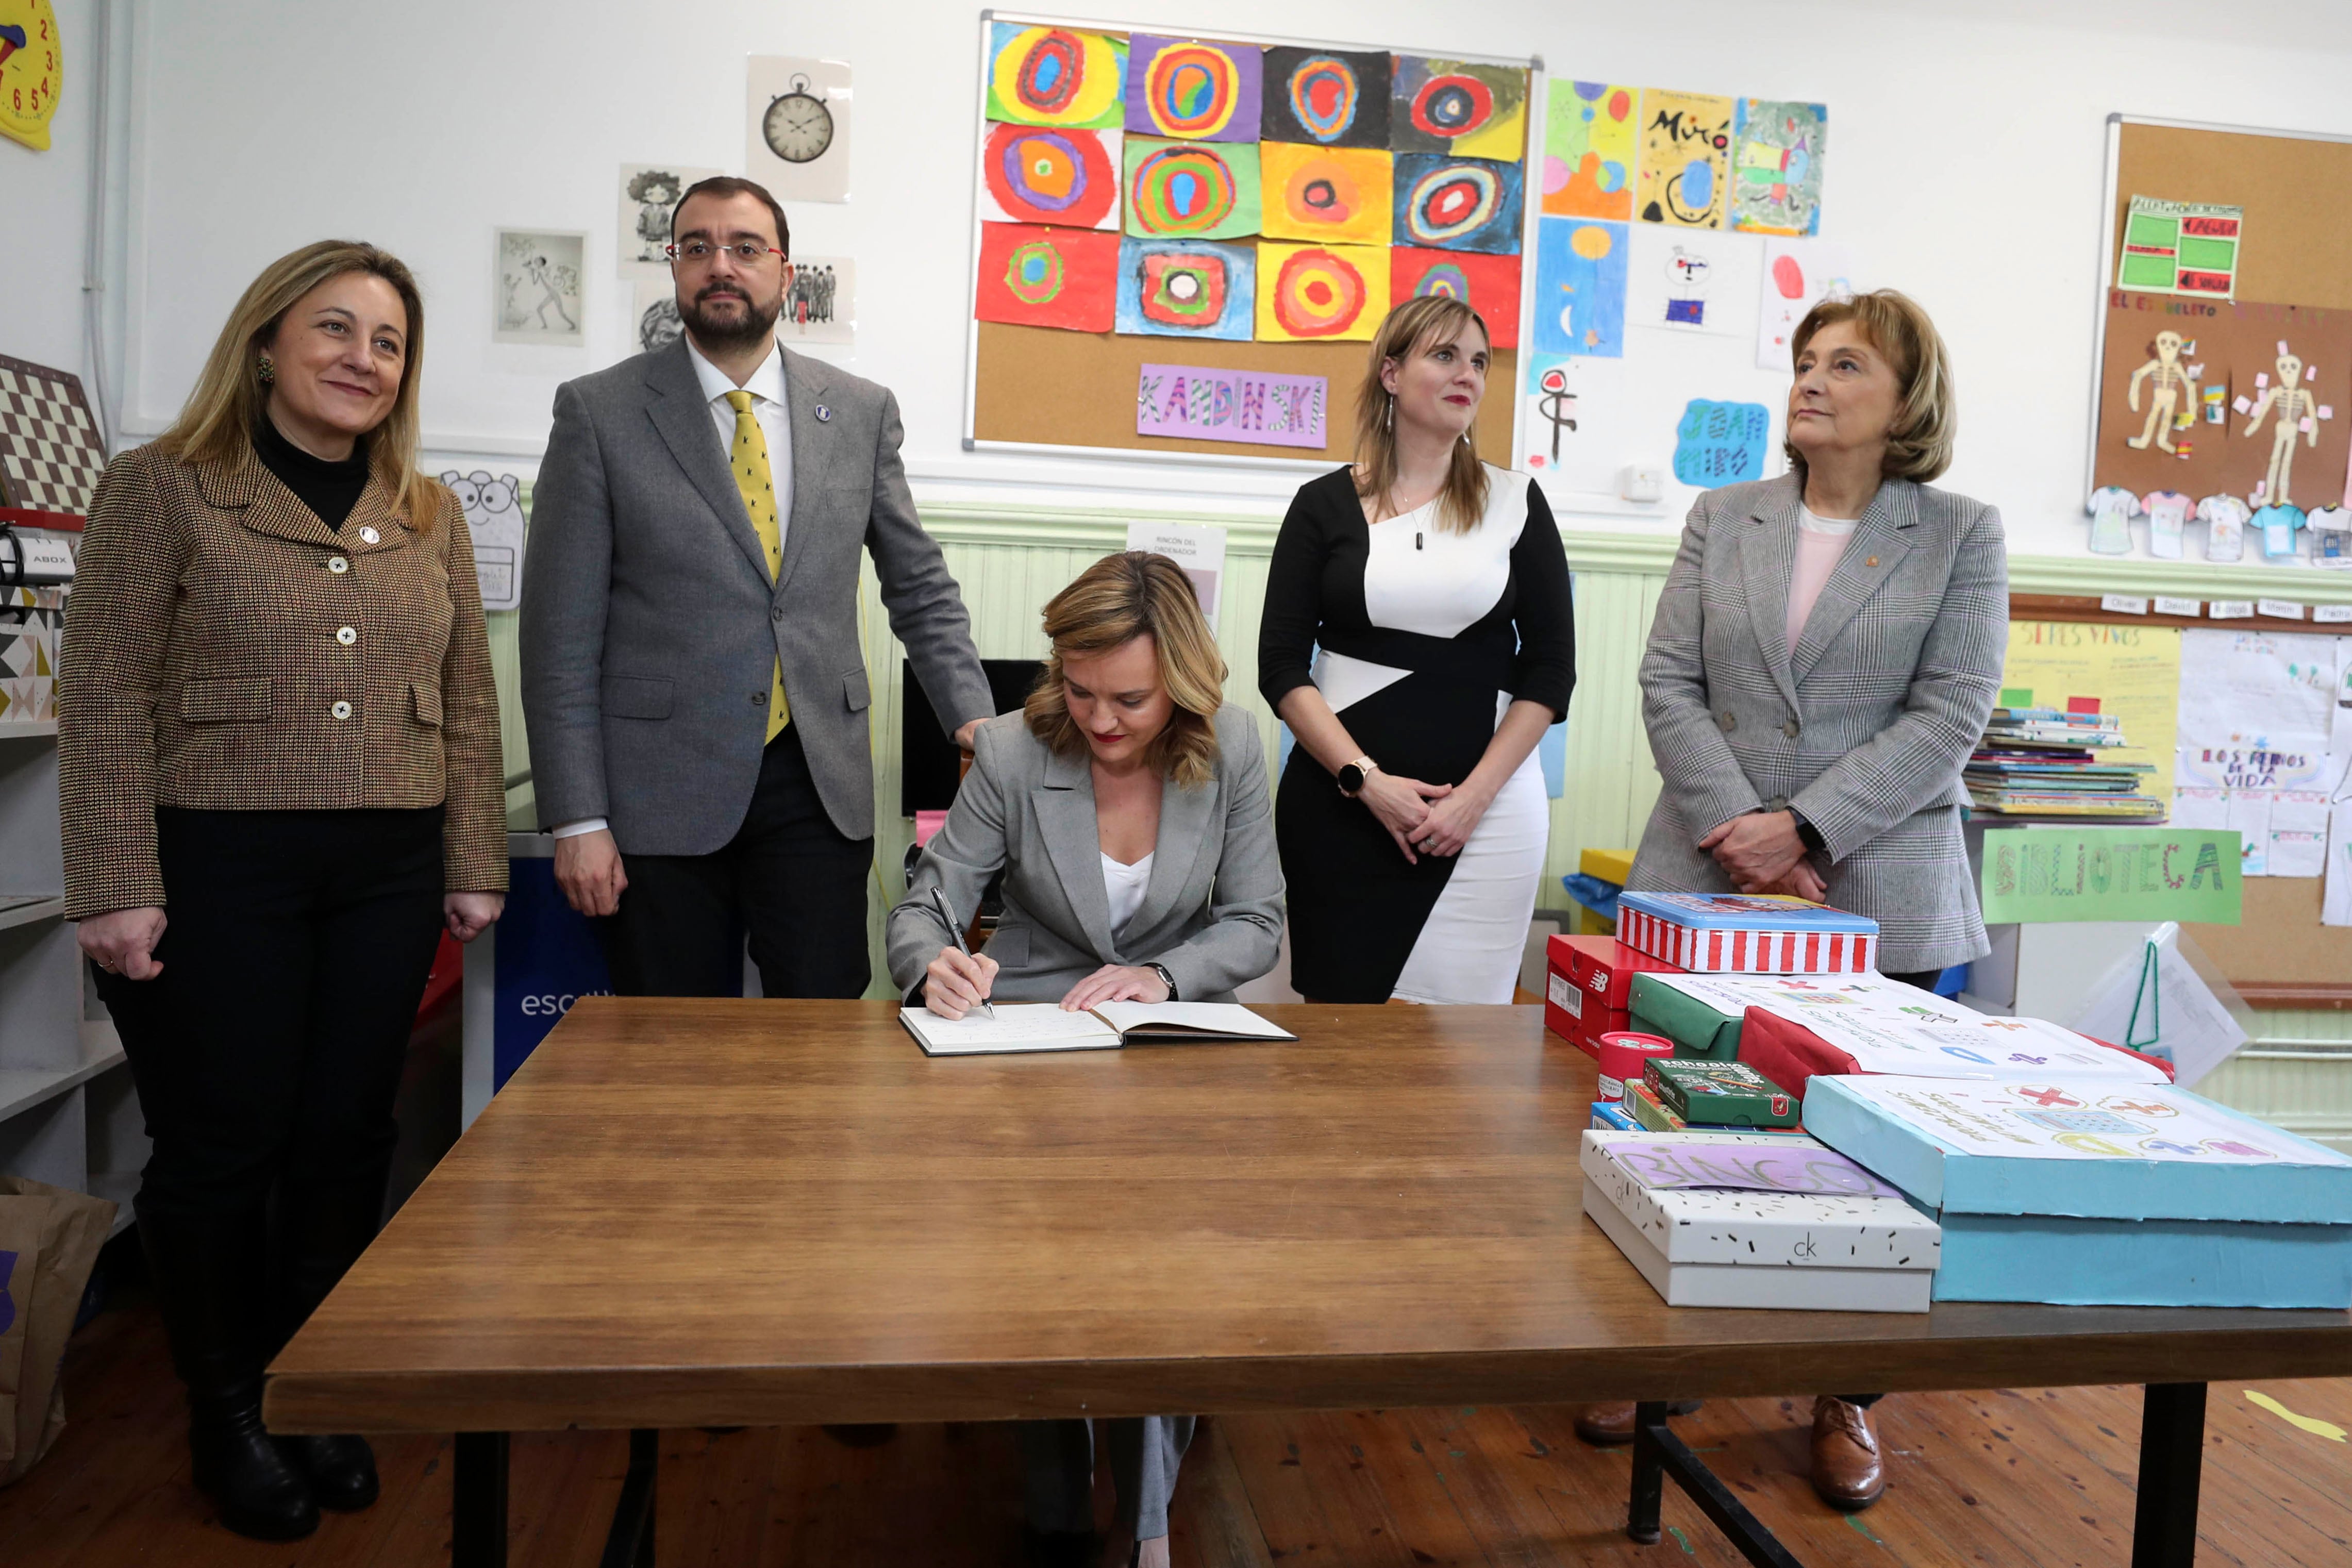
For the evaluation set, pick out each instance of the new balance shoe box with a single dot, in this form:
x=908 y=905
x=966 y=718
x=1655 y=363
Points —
x=2091 y=1191
x=1746 y=934
x=1710 y=1248
x=1790 y=1041
x=1587 y=985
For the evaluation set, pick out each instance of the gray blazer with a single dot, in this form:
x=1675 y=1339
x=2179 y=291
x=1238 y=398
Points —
x=1865 y=731
x=650 y=627
x=1211 y=913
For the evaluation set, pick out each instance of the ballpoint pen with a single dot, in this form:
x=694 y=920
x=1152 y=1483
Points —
x=946 y=916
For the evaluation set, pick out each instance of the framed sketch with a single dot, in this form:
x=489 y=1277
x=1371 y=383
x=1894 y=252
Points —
x=536 y=287
x=648 y=191
x=796 y=128
x=654 y=322
x=821 y=305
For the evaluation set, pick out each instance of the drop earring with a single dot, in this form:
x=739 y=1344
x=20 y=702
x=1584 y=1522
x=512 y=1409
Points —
x=267 y=371
x=1390 y=421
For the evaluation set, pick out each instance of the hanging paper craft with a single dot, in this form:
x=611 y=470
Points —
x=2112 y=508
x=1191 y=190
x=1199 y=93
x=1685 y=155
x=2295 y=414
x=1038 y=173
x=1686 y=280
x=1054 y=76
x=1187 y=289
x=1487 y=284
x=2167 y=512
x=1032 y=276
x=1798 y=274
x=1466 y=111
x=1776 y=166
x=1317 y=293
x=1579 y=289
x=2171 y=389
x=2180 y=248
x=2225 y=519
x=1587 y=166
x=1721 y=442
x=1326 y=98
x=1335 y=195
x=1197 y=403
x=1458 y=203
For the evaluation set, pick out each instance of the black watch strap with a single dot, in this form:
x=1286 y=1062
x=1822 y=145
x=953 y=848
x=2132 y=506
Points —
x=1807 y=834
x=1165 y=979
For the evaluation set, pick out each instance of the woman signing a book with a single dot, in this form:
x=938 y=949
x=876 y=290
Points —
x=1128 y=808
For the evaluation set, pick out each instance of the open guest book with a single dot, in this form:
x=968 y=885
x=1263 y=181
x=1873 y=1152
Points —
x=1043 y=1026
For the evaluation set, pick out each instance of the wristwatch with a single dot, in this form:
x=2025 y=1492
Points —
x=1807 y=834
x=1353 y=775
x=1165 y=979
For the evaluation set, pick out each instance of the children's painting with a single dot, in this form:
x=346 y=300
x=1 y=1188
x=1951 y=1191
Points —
x=1588 y=139
x=1033 y=275
x=1798 y=274
x=1578 y=431
x=1721 y=442
x=1581 y=273
x=1776 y=166
x=1041 y=173
x=1056 y=76
x=1187 y=289
x=1487 y=284
x=1265 y=408
x=649 y=193
x=1191 y=190
x=1691 y=281
x=1458 y=203
x=1463 y=111
x=1685 y=153
x=1333 y=195
x=1314 y=293
x=537 y=284
x=494 y=517
x=1186 y=90
x=1325 y=98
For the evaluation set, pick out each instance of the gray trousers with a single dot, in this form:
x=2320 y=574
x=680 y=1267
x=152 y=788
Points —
x=1059 y=1457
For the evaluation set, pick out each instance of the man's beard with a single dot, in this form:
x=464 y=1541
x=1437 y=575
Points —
x=729 y=331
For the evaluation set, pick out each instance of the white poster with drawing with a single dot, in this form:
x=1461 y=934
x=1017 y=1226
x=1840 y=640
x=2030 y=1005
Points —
x=2256 y=709
x=536 y=285
x=648 y=195
x=2335 y=896
x=1691 y=281
x=820 y=302
x=796 y=127
x=493 y=506
x=1797 y=274
x=1199 y=548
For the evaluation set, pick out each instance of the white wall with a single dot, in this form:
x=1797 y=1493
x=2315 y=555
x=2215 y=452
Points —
x=1965 y=167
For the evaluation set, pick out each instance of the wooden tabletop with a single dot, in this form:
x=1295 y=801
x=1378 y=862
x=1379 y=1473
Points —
x=687 y=1213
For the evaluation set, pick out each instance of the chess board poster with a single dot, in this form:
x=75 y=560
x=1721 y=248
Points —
x=50 y=453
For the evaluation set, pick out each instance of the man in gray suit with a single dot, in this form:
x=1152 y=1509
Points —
x=692 y=676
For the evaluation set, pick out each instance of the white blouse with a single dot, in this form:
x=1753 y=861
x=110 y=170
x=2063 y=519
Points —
x=1123 y=886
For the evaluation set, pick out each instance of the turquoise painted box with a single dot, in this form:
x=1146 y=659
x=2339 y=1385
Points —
x=2094 y=1193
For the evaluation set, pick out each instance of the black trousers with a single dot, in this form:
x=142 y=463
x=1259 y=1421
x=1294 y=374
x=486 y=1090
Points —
x=789 y=877
x=268 y=1052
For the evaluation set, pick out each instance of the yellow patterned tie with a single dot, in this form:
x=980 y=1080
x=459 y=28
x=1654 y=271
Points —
x=748 y=460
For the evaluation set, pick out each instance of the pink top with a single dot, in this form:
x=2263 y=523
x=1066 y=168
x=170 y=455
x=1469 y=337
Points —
x=1819 y=541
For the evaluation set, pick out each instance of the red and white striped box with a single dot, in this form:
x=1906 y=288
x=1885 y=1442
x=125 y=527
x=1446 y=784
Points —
x=1746 y=934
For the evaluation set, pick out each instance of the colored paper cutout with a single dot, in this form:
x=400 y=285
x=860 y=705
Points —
x=1488 y=284
x=1187 y=289
x=1055 y=76
x=1460 y=110
x=1033 y=275
x=1197 y=91
x=1458 y=203
x=2180 y=248
x=1201 y=403
x=1043 y=173
x=1314 y=293
x=2311 y=1424
x=1580 y=271
x=1721 y=442
x=1333 y=195
x=1685 y=159
x=1588 y=141
x=1326 y=97
x=1190 y=190
x=1776 y=166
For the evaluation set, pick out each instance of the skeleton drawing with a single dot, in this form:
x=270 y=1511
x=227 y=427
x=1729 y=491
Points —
x=2295 y=412
x=2172 y=391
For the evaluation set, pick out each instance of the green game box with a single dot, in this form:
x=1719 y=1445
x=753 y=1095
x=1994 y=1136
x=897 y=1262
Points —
x=1723 y=1093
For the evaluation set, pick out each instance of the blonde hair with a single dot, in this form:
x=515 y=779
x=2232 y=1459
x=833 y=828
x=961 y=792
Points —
x=1111 y=603
x=1419 y=325
x=1927 y=412
x=231 y=400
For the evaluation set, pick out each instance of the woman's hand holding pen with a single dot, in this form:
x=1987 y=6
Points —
x=1401 y=806
x=955 y=982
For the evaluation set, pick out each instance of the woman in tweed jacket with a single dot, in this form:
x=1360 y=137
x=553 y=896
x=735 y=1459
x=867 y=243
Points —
x=1825 y=655
x=280 y=782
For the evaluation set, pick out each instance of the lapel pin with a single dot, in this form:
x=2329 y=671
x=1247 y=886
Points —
x=823 y=414
x=1871 y=562
x=369 y=536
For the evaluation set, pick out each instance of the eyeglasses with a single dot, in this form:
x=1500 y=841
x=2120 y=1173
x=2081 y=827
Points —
x=701 y=252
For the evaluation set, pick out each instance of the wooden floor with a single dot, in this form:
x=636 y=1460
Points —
x=2031 y=1477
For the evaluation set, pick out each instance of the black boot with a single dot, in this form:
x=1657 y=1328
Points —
x=342 y=1469
x=207 y=1272
x=323 y=1226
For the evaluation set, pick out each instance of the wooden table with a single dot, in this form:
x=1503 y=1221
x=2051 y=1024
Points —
x=706 y=1213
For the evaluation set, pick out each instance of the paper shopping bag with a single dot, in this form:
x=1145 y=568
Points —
x=49 y=1238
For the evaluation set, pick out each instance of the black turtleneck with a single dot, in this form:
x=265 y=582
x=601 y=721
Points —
x=330 y=489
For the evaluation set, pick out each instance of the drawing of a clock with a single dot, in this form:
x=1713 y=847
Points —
x=30 y=70
x=798 y=126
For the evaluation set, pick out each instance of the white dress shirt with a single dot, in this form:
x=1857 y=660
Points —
x=770 y=407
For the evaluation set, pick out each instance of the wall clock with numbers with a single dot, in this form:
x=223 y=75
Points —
x=31 y=66
x=798 y=126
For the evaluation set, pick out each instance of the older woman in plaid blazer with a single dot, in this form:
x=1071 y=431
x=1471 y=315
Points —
x=1825 y=655
x=280 y=783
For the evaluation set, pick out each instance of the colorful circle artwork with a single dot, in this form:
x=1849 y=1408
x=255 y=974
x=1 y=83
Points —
x=1033 y=272
x=1039 y=174
x=1182 y=189
x=1447 y=203
x=1052 y=76
x=1192 y=90
x=1318 y=294
x=1323 y=93
x=1184 y=290
x=1323 y=192
x=1446 y=281
x=1450 y=106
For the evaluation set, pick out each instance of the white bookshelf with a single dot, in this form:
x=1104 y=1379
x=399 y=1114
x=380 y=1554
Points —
x=69 y=1115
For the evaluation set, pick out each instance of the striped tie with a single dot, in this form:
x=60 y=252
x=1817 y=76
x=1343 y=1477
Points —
x=749 y=462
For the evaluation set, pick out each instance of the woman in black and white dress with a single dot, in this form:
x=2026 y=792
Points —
x=1418 y=640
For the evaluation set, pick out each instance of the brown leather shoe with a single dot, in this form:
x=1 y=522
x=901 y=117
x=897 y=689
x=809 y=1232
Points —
x=1612 y=1426
x=1847 y=1470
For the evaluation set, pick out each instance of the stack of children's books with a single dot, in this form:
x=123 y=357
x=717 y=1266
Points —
x=2047 y=761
